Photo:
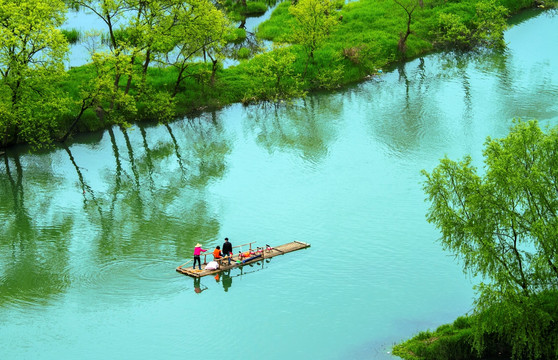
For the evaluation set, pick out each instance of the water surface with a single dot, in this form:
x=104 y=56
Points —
x=90 y=234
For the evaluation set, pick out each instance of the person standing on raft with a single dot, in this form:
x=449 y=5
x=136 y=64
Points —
x=197 y=251
x=227 y=249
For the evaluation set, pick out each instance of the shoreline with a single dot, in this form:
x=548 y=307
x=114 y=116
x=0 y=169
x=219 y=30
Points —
x=231 y=88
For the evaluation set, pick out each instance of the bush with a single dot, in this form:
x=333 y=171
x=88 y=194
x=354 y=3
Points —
x=469 y=337
x=461 y=322
x=72 y=35
x=243 y=53
x=254 y=8
x=235 y=36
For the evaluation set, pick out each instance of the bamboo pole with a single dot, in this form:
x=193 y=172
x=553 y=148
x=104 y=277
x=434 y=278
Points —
x=180 y=267
x=250 y=243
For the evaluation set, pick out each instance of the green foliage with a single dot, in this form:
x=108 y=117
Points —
x=235 y=36
x=276 y=80
x=329 y=70
x=516 y=5
x=334 y=44
x=459 y=340
x=453 y=32
x=503 y=227
x=243 y=53
x=484 y=29
x=254 y=8
x=461 y=322
x=198 y=27
x=279 y=27
x=489 y=24
x=446 y=343
x=315 y=20
x=32 y=50
x=157 y=106
x=72 y=35
x=238 y=10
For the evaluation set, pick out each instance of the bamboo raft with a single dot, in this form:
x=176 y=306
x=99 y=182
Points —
x=258 y=255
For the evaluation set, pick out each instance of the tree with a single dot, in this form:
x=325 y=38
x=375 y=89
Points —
x=149 y=26
x=485 y=29
x=503 y=225
x=110 y=12
x=489 y=24
x=410 y=6
x=198 y=27
x=98 y=91
x=275 y=77
x=315 y=19
x=32 y=50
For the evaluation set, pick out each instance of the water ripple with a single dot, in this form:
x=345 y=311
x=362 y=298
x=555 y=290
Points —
x=130 y=278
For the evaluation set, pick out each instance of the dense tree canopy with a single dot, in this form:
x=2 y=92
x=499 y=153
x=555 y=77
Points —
x=32 y=50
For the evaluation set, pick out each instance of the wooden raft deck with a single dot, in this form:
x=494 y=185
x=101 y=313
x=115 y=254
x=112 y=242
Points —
x=224 y=265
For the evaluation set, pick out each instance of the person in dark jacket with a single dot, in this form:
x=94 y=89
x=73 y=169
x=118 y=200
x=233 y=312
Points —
x=227 y=249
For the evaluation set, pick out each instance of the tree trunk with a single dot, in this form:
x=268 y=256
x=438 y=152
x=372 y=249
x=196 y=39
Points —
x=213 y=72
x=83 y=108
x=129 y=82
x=178 y=81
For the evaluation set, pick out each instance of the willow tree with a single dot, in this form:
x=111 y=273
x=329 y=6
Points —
x=32 y=51
x=503 y=225
x=315 y=19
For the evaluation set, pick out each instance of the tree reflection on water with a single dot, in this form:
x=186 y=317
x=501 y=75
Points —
x=148 y=198
x=35 y=236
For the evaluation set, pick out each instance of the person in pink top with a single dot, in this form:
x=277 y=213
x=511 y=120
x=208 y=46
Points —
x=197 y=251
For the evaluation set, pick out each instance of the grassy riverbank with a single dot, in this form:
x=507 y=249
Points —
x=461 y=339
x=363 y=37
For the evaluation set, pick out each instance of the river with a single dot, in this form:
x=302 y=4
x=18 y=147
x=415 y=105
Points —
x=91 y=233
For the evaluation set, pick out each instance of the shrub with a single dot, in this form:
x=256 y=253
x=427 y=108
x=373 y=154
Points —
x=353 y=54
x=236 y=36
x=254 y=8
x=243 y=53
x=461 y=322
x=72 y=35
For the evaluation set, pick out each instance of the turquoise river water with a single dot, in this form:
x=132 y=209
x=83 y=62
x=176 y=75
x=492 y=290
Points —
x=91 y=233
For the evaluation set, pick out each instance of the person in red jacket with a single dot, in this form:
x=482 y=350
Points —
x=197 y=251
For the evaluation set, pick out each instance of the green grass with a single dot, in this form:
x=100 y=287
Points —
x=364 y=40
x=450 y=341
x=279 y=25
x=456 y=341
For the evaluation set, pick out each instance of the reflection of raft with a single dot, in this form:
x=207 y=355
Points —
x=255 y=256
